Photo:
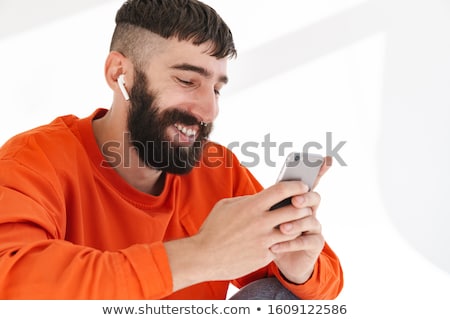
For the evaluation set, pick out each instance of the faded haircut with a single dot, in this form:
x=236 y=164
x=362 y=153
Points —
x=188 y=20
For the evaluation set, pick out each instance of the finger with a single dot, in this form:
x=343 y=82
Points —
x=328 y=161
x=278 y=192
x=326 y=165
x=309 y=225
x=310 y=199
x=286 y=215
x=308 y=242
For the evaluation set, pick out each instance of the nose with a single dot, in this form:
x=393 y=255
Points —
x=207 y=106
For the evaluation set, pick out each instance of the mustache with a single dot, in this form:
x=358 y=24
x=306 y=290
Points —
x=182 y=116
x=185 y=117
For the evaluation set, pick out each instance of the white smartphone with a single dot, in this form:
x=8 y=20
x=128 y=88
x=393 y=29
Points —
x=299 y=166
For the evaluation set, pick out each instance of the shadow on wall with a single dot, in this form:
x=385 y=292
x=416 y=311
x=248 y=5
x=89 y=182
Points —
x=19 y=16
x=414 y=148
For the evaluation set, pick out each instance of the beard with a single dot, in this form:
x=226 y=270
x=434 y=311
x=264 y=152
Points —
x=148 y=132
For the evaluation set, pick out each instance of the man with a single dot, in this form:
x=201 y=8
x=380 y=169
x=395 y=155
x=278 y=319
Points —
x=135 y=203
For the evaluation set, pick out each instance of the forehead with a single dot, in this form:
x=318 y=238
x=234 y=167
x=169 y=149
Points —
x=175 y=52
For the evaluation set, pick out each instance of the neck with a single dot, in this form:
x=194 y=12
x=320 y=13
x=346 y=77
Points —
x=129 y=166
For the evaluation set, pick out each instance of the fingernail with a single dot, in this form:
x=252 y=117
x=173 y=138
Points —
x=300 y=200
x=287 y=227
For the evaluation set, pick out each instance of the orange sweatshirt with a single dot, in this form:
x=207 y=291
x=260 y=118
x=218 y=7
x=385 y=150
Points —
x=72 y=228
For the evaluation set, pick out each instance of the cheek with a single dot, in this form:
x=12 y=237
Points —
x=175 y=99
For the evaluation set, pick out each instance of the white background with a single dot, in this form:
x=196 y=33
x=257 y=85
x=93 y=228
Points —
x=375 y=74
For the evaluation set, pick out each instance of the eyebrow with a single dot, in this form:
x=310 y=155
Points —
x=200 y=70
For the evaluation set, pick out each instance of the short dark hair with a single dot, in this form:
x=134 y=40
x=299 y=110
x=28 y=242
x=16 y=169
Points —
x=189 y=20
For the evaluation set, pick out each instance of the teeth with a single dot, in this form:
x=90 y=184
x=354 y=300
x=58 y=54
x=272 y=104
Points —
x=186 y=131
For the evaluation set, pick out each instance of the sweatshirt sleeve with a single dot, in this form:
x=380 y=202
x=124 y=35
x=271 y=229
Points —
x=56 y=269
x=37 y=263
x=325 y=283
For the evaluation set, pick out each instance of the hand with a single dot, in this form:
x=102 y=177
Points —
x=236 y=238
x=296 y=259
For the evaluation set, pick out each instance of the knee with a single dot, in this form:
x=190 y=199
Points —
x=264 y=289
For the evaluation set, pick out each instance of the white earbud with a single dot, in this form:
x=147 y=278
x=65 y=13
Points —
x=121 y=83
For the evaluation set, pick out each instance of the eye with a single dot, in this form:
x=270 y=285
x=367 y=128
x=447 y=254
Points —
x=186 y=83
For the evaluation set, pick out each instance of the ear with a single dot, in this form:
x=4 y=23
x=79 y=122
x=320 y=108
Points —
x=115 y=65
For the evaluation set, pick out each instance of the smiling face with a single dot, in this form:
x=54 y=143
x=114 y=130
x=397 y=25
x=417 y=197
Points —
x=174 y=102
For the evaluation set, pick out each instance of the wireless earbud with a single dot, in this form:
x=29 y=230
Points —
x=121 y=83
